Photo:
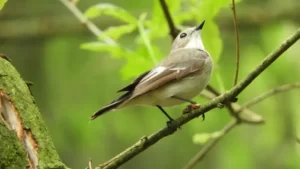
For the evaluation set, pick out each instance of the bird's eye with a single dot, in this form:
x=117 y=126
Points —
x=182 y=35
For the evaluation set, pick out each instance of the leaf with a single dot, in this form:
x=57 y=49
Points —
x=158 y=25
x=111 y=10
x=203 y=138
x=114 y=50
x=135 y=65
x=2 y=3
x=117 y=31
x=212 y=40
x=145 y=37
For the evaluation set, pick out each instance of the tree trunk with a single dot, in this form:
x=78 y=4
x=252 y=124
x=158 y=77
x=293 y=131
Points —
x=24 y=139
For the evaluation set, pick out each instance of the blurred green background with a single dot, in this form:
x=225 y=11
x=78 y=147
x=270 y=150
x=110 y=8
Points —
x=43 y=40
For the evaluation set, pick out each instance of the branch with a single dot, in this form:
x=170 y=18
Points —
x=270 y=93
x=90 y=25
x=199 y=156
x=146 y=142
x=173 y=30
x=25 y=140
x=236 y=44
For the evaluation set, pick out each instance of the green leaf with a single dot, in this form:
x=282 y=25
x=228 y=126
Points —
x=115 y=32
x=212 y=40
x=136 y=64
x=202 y=138
x=2 y=2
x=111 y=10
x=145 y=37
x=114 y=50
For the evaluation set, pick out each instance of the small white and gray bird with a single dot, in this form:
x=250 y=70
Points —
x=178 y=78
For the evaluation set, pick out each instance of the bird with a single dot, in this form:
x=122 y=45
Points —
x=177 y=79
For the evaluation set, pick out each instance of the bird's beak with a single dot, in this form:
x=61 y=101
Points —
x=199 y=27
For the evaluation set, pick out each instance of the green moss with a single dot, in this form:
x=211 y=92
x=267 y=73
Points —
x=12 y=153
x=15 y=87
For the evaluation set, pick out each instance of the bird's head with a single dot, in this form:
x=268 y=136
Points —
x=189 y=38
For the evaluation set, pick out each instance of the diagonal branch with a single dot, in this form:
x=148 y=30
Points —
x=173 y=30
x=90 y=25
x=146 y=142
x=270 y=93
x=201 y=154
x=237 y=45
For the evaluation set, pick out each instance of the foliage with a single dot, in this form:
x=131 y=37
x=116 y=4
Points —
x=2 y=3
x=155 y=28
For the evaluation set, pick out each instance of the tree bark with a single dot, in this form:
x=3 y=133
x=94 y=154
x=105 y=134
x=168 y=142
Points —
x=24 y=139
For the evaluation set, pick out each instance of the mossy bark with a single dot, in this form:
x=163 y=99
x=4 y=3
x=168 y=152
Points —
x=13 y=153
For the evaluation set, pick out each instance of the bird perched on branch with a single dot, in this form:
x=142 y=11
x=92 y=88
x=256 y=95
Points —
x=178 y=78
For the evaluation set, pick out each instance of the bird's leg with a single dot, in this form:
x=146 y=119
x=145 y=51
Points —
x=194 y=105
x=165 y=113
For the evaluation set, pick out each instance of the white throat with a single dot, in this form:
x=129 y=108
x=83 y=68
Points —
x=195 y=42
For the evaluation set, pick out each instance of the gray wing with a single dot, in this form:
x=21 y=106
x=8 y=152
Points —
x=178 y=64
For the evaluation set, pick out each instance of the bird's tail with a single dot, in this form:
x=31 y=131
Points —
x=113 y=105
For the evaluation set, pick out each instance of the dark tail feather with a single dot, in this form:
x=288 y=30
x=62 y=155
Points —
x=111 y=106
x=104 y=110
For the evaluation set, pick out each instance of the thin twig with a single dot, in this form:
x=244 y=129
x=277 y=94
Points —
x=141 y=146
x=212 y=90
x=201 y=154
x=227 y=105
x=90 y=25
x=271 y=92
x=237 y=44
x=173 y=30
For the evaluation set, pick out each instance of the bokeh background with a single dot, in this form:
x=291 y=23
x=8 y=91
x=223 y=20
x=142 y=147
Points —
x=43 y=40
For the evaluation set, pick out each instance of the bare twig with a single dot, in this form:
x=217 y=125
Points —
x=173 y=30
x=90 y=25
x=140 y=146
x=199 y=156
x=228 y=105
x=236 y=43
x=212 y=90
x=272 y=92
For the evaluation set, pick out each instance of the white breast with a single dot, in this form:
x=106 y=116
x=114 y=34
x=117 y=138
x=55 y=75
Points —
x=195 y=42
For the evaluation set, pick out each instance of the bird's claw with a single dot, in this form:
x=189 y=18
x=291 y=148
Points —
x=190 y=108
x=220 y=105
x=169 y=124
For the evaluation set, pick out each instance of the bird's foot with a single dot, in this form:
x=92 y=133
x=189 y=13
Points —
x=169 y=124
x=190 y=108
x=220 y=105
